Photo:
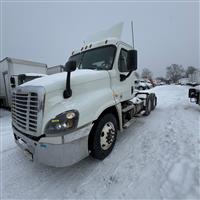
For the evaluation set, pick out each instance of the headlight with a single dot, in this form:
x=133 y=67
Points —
x=63 y=122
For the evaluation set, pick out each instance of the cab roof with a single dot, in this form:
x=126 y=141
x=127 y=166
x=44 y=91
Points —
x=92 y=45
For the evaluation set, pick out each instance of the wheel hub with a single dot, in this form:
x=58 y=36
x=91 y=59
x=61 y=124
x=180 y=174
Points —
x=107 y=135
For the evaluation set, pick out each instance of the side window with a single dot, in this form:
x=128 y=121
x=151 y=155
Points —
x=122 y=63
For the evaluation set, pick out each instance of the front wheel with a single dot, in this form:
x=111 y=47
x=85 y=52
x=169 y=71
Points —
x=103 y=137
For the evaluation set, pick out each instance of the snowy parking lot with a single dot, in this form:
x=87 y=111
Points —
x=157 y=157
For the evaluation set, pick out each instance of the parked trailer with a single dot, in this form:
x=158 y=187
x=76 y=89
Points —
x=194 y=78
x=55 y=69
x=12 y=67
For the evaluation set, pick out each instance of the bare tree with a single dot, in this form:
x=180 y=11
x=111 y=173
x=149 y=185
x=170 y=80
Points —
x=146 y=73
x=190 y=70
x=175 y=72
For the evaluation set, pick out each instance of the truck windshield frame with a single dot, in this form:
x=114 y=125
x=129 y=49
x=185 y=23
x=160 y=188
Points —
x=99 y=58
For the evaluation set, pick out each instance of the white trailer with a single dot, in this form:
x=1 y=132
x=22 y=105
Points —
x=194 y=78
x=12 y=67
x=55 y=69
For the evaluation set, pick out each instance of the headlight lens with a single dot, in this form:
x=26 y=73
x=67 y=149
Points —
x=63 y=122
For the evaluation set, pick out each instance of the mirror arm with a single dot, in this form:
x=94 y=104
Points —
x=67 y=92
x=124 y=77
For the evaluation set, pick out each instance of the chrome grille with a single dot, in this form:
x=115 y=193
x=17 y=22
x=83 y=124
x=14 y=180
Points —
x=27 y=109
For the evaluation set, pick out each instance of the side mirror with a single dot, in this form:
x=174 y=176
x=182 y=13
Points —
x=131 y=64
x=21 y=78
x=70 y=66
x=12 y=81
x=132 y=60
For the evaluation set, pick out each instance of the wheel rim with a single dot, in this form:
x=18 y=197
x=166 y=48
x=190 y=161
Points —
x=107 y=136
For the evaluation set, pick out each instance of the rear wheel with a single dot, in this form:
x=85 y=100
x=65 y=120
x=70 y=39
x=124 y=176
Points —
x=103 y=137
x=148 y=106
x=153 y=101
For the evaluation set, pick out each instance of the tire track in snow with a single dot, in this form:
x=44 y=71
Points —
x=139 y=167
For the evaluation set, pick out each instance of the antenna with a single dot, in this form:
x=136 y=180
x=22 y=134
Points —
x=132 y=33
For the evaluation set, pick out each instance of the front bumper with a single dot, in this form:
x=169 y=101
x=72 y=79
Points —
x=56 y=151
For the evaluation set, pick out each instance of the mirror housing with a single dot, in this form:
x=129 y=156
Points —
x=70 y=66
x=12 y=82
x=132 y=60
x=131 y=64
x=21 y=78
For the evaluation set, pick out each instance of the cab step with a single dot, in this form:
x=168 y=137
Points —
x=129 y=123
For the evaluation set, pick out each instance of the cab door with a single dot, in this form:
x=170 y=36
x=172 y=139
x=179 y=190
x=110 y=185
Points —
x=122 y=89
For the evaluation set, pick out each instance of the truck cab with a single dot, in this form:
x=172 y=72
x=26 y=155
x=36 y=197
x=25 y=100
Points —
x=62 y=118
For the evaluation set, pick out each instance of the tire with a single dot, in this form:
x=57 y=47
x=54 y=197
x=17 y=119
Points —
x=154 y=102
x=103 y=136
x=148 y=106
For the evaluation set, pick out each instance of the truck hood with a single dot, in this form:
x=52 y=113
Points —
x=58 y=81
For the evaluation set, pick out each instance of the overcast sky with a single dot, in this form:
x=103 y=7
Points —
x=165 y=32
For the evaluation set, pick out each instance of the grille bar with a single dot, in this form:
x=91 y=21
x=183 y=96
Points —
x=19 y=117
x=20 y=105
x=20 y=123
x=18 y=113
x=21 y=100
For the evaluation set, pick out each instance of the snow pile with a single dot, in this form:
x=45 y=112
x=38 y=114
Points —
x=182 y=181
x=157 y=157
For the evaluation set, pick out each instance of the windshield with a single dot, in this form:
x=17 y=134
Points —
x=99 y=59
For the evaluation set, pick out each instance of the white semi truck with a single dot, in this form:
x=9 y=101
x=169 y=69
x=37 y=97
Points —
x=62 y=118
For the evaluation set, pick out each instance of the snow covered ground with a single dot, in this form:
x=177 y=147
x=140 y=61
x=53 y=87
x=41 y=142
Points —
x=157 y=157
